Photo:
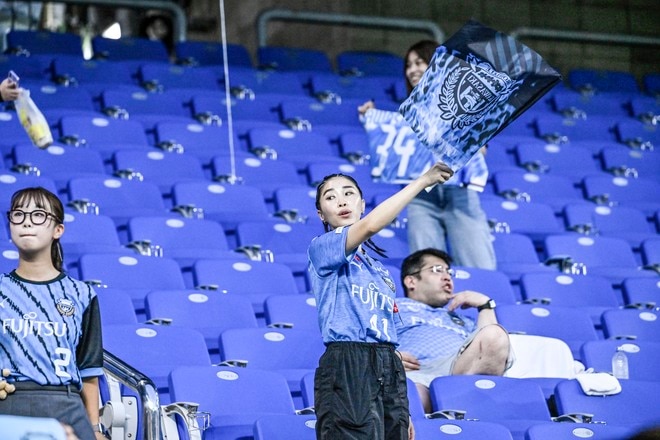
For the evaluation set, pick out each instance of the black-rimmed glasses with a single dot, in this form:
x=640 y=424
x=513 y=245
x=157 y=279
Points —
x=37 y=217
x=436 y=269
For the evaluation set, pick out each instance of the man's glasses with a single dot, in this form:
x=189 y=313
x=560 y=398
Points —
x=37 y=217
x=436 y=269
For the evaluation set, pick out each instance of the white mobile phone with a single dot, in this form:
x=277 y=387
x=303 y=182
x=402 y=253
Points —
x=13 y=77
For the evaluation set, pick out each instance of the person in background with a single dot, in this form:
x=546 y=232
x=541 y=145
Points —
x=360 y=389
x=449 y=216
x=51 y=341
x=8 y=90
x=434 y=338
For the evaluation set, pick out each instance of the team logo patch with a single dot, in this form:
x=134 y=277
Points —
x=65 y=307
x=470 y=90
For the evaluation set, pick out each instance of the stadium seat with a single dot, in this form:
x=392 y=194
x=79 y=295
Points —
x=568 y=431
x=116 y=307
x=637 y=134
x=492 y=283
x=208 y=312
x=30 y=42
x=642 y=325
x=602 y=80
x=644 y=108
x=136 y=274
x=265 y=174
x=570 y=161
x=641 y=292
x=212 y=106
x=88 y=233
x=537 y=220
x=289 y=351
x=560 y=129
x=643 y=357
x=235 y=398
x=209 y=53
x=307 y=390
x=129 y=48
x=459 y=429
x=93 y=75
x=297 y=203
x=156 y=350
x=570 y=102
x=203 y=141
x=290 y=58
x=617 y=221
x=102 y=134
x=326 y=86
x=145 y=107
x=313 y=112
x=637 y=193
x=635 y=407
x=255 y=280
x=571 y=325
x=285 y=427
x=651 y=252
x=651 y=82
x=516 y=255
x=515 y=403
x=625 y=161
x=36 y=67
x=296 y=311
x=252 y=83
x=12 y=182
x=499 y=154
x=369 y=63
x=592 y=294
x=52 y=97
x=160 y=76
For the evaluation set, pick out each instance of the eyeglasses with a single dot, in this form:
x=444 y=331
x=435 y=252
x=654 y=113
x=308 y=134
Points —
x=436 y=269
x=37 y=217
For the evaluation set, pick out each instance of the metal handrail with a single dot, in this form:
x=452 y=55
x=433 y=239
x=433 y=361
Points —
x=145 y=389
x=587 y=37
x=180 y=22
x=344 y=20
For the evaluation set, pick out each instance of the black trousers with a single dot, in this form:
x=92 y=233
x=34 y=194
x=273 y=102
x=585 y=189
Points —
x=360 y=393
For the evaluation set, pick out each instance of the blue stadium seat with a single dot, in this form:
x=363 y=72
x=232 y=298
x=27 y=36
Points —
x=643 y=357
x=12 y=182
x=161 y=168
x=29 y=42
x=641 y=292
x=36 y=67
x=12 y=132
x=88 y=233
x=209 y=53
x=651 y=252
x=354 y=145
x=290 y=58
x=265 y=174
x=537 y=220
x=289 y=351
x=568 y=431
x=135 y=274
x=459 y=429
x=571 y=161
x=515 y=403
x=637 y=134
x=129 y=48
x=312 y=112
x=602 y=80
x=571 y=325
x=327 y=86
x=637 y=193
x=624 y=161
x=285 y=427
x=49 y=96
x=559 y=129
x=145 y=107
x=644 y=108
x=307 y=389
x=235 y=398
x=255 y=280
x=297 y=203
x=252 y=83
x=499 y=154
x=212 y=106
x=204 y=141
x=642 y=325
x=592 y=294
x=297 y=311
x=651 y=82
x=208 y=312
x=635 y=407
x=569 y=102
x=156 y=350
x=116 y=307
x=160 y=76
x=369 y=63
x=93 y=75
x=102 y=133
x=516 y=255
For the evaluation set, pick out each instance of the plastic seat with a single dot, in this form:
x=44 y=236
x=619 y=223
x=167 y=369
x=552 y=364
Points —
x=147 y=108
x=651 y=251
x=50 y=96
x=571 y=161
x=316 y=113
x=102 y=134
x=644 y=107
x=265 y=174
x=158 y=167
x=116 y=307
x=514 y=403
x=36 y=67
x=285 y=427
x=160 y=76
x=92 y=75
x=208 y=312
x=291 y=58
x=255 y=280
x=556 y=128
x=297 y=311
x=156 y=350
x=569 y=431
x=651 y=83
x=637 y=134
x=612 y=104
x=571 y=325
x=641 y=292
x=642 y=325
x=330 y=85
x=205 y=53
x=643 y=357
x=87 y=233
x=623 y=222
x=516 y=255
x=297 y=203
x=535 y=219
x=135 y=274
x=592 y=294
x=637 y=193
x=289 y=351
x=129 y=48
x=622 y=161
x=203 y=141
x=227 y=204
x=235 y=397
x=254 y=84
x=634 y=408
x=459 y=429
x=29 y=42
x=369 y=63
x=603 y=80
x=12 y=182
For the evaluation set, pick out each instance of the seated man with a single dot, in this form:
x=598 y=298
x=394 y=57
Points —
x=434 y=339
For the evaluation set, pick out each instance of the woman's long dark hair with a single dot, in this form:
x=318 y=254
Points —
x=425 y=50
x=319 y=189
x=49 y=202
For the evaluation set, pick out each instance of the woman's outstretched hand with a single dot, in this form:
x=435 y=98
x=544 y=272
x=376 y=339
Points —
x=438 y=173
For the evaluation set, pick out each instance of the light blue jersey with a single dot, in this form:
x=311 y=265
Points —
x=354 y=293
x=430 y=333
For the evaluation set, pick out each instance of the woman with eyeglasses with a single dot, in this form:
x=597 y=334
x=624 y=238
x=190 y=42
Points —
x=435 y=338
x=360 y=384
x=51 y=347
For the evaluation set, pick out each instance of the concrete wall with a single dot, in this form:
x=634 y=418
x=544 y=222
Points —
x=633 y=17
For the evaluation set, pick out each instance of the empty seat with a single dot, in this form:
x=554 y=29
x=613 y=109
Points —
x=602 y=80
x=572 y=103
x=93 y=75
x=144 y=107
x=643 y=357
x=571 y=161
x=635 y=324
x=30 y=42
x=88 y=233
x=641 y=292
x=36 y=67
x=285 y=427
x=637 y=134
x=297 y=311
x=160 y=76
x=459 y=429
x=651 y=252
x=537 y=220
x=291 y=58
x=516 y=255
x=203 y=141
x=129 y=48
x=638 y=193
x=369 y=63
x=116 y=307
x=253 y=83
x=297 y=203
x=210 y=107
x=314 y=112
x=205 y=53
x=568 y=431
x=628 y=162
x=102 y=134
x=331 y=86
x=559 y=129
x=12 y=182
x=52 y=97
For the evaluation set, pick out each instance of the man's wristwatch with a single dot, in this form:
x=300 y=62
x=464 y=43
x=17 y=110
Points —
x=490 y=304
x=99 y=427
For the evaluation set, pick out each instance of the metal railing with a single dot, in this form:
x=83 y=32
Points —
x=365 y=21
x=584 y=37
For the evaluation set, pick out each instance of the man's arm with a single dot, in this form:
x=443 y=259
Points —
x=470 y=298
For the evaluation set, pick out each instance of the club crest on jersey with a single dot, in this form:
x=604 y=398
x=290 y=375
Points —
x=470 y=91
x=65 y=307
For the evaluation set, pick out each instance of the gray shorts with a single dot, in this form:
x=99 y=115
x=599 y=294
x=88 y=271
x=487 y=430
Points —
x=444 y=366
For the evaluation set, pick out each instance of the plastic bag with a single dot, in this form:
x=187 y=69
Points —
x=33 y=120
x=476 y=84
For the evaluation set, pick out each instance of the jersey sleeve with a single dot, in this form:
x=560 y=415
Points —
x=327 y=252
x=89 y=352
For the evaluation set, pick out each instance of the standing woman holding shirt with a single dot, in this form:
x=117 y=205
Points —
x=50 y=343
x=360 y=384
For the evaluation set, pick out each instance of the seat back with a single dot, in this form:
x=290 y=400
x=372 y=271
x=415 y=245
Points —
x=642 y=325
x=643 y=357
